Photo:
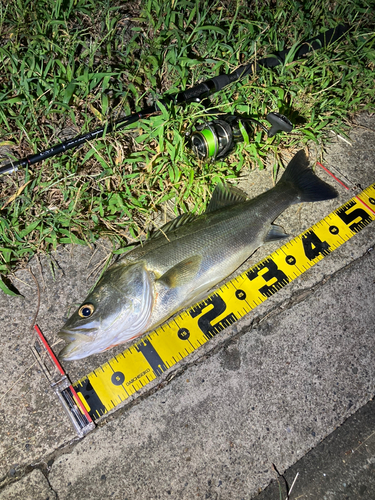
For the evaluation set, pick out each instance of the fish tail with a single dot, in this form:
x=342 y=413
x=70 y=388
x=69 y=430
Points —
x=308 y=185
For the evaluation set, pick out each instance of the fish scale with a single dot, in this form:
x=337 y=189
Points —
x=180 y=265
x=110 y=385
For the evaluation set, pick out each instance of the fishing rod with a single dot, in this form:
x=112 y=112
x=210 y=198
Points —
x=219 y=137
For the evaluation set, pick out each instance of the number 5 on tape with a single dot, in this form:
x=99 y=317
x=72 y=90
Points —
x=113 y=382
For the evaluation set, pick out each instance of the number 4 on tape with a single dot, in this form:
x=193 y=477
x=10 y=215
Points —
x=113 y=382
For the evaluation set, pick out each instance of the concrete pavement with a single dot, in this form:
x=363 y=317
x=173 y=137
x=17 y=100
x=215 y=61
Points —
x=341 y=467
x=265 y=391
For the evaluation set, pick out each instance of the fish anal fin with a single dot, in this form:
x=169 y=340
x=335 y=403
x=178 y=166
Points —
x=182 y=273
x=275 y=233
x=225 y=195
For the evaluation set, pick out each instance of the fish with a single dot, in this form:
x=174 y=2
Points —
x=177 y=266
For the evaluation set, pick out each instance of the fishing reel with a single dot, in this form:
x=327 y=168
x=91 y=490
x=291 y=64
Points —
x=216 y=139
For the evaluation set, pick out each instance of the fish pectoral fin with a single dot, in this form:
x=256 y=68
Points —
x=275 y=233
x=182 y=273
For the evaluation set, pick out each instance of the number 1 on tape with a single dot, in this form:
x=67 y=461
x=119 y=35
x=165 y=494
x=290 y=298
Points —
x=114 y=381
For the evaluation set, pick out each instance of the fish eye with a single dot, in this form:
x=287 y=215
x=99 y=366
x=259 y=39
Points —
x=86 y=310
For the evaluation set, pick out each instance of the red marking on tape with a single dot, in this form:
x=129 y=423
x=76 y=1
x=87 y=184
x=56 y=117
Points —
x=80 y=404
x=365 y=204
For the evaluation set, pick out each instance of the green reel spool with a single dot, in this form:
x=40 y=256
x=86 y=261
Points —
x=212 y=140
x=217 y=138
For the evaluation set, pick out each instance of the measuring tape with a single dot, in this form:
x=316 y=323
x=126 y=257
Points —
x=113 y=382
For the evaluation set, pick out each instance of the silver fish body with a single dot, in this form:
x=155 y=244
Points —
x=183 y=261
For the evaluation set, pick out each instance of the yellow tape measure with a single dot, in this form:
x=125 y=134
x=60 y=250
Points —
x=114 y=381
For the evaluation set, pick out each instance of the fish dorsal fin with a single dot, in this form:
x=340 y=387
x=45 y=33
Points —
x=225 y=195
x=182 y=273
x=275 y=233
x=179 y=221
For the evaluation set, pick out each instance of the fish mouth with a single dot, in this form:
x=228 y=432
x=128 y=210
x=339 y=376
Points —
x=77 y=347
x=72 y=336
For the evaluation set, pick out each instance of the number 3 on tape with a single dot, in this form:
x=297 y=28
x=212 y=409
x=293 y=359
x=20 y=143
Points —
x=116 y=380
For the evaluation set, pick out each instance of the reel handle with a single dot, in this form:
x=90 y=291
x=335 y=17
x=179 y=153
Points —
x=279 y=122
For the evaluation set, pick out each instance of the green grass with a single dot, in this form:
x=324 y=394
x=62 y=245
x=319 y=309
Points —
x=67 y=66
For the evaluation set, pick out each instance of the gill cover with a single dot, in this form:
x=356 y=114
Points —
x=121 y=309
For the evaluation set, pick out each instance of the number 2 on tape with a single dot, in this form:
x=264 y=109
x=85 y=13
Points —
x=116 y=380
